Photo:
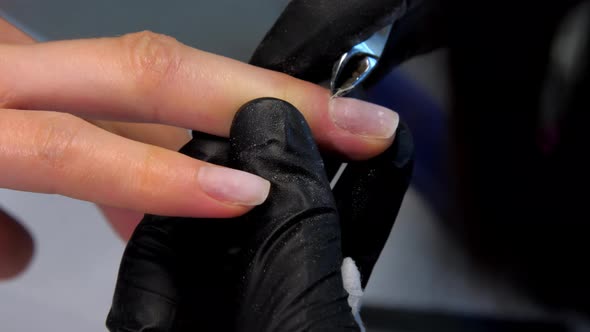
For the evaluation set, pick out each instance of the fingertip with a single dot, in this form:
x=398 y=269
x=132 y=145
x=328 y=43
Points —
x=230 y=211
x=360 y=149
x=352 y=128
x=362 y=118
x=358 y=129
x=232 y=186
x=352 y=147
x=206 y=207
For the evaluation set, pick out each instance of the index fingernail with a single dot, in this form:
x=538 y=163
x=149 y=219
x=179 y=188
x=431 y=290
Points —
x=362 y=118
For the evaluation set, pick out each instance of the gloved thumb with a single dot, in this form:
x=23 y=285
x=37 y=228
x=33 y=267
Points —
x=292 y=279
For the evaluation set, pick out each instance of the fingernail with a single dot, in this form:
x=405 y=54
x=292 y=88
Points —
x=362 y=118
x=233 y=186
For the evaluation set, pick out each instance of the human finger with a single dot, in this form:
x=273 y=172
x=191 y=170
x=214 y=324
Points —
x=52 y=152
x=152 y=78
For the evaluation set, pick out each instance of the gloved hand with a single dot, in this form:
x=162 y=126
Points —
x=278 y=268
x=311 y=35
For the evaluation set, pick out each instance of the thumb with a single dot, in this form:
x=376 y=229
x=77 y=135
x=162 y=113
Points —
x=292 y=280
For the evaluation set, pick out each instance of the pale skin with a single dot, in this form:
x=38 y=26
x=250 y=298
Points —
x=101 y=120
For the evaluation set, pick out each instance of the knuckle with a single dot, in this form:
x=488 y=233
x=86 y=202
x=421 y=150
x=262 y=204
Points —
x=54 y=138
x=153 y=59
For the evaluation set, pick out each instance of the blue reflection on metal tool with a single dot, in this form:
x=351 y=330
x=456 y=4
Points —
x=355 y=65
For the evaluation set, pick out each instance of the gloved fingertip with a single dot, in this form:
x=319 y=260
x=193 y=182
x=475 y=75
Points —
x=269 y=137
x=268 y=119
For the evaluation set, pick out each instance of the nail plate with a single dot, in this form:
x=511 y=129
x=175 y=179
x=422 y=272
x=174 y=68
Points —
x=362 y=118
x=233 y=186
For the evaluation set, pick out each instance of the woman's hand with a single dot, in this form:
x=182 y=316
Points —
x=150 y=78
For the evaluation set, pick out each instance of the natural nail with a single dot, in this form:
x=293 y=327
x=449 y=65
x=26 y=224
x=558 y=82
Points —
x=233 y=186
x=362 y=118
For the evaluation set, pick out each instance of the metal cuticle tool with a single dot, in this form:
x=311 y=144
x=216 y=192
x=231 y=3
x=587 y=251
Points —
x=354 y=66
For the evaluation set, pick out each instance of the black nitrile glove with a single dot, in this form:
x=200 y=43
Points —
x=278 y=268
x=311 y=35
x=306 y=41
